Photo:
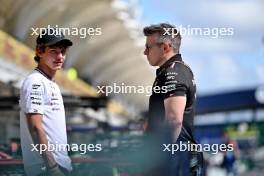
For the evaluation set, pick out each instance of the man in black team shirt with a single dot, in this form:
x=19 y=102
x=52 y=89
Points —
x=172 y=103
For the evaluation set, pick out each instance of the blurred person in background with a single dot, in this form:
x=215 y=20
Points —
x=42 y=114
x=230 y=157
x=171 y=105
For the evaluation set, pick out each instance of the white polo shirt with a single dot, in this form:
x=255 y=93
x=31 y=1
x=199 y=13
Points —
x=39 y=94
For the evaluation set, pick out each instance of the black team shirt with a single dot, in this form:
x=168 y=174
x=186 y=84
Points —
x=173 y=78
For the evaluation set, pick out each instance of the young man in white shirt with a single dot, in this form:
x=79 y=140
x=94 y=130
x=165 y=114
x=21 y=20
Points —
x=42 y=116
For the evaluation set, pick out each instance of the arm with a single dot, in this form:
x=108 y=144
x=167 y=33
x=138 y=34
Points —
x=39 y=136
x=174 y=110
x=32 y=93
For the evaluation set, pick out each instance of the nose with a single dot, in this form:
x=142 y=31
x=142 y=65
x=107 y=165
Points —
x=60 y=56
x=145 y=52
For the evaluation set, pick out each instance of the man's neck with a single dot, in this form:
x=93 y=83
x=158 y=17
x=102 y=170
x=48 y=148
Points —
x=48 y=72
x=166 y=58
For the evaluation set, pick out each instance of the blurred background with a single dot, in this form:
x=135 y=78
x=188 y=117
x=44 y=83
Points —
x=228 y=68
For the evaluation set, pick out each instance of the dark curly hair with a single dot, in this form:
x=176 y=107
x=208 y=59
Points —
x=42 y=48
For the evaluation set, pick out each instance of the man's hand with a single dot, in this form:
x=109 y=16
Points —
x=55 y=171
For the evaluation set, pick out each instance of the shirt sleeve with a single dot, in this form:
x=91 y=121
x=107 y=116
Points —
x=175 y=82
x=33 y=96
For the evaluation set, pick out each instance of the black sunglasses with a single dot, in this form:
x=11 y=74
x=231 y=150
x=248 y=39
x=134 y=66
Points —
x=148 y=46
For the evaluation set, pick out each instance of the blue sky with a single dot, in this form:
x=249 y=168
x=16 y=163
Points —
x=224 y=63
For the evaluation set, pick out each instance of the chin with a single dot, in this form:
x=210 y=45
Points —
x=153 y=64
x=150 y=63
x=57 y=68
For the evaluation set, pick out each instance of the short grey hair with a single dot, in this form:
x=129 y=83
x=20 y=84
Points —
x=165 y=32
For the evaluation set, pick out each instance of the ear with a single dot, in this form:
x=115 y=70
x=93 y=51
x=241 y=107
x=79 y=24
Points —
x=39 y=52
x=166 y=46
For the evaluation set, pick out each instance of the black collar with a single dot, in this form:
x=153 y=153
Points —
x=176 y=57
x=43 y=73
